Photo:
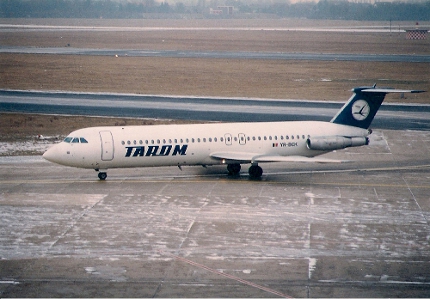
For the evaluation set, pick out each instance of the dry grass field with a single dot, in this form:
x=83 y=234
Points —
x=316 y=80
x=19 y=127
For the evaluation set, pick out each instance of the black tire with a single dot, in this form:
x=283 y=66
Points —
x=255 y=172
x=233 y=169
x=102 y=176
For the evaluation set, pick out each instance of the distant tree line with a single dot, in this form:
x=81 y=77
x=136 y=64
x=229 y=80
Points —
x=324 y=9
x=343 y=10
x=80 y=8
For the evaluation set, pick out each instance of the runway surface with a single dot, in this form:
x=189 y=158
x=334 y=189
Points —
x=390 y=116
x=356 y=230
x=219 y=27
x=218 y=54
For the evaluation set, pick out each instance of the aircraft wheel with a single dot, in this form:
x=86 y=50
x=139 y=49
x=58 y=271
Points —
x=255 y=171
x=102 y=176
x=233 y=169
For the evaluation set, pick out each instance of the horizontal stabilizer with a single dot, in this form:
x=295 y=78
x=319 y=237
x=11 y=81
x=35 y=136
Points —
x=389 y=90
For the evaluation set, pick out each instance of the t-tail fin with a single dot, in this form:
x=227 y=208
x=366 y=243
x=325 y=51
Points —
x=361 y=108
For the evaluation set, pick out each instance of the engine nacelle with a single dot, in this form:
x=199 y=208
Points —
x=332 y=143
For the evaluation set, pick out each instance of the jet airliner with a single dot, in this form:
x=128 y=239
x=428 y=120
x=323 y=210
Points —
x=232 y=144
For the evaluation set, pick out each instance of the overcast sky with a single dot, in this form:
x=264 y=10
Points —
x=194 y=2
x=273 y=1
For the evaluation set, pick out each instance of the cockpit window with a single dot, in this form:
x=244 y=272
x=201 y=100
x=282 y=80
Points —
x=75 y=140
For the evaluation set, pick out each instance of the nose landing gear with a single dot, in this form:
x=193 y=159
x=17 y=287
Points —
x=101 y=174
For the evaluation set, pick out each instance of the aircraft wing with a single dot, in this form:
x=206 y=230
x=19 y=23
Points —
x=243 y=157
x=295 y=159
x=235 y=156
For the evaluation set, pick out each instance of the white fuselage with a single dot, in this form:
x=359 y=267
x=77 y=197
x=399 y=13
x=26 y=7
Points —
x=177 y=145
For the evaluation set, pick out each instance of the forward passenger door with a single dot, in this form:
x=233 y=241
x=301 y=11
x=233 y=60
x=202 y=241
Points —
x=107 y=148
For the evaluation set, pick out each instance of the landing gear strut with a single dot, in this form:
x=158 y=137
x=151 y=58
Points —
x=255 y=172
x=233 y=169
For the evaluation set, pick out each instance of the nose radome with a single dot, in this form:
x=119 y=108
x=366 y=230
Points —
x=48 y=154
x=52 y=154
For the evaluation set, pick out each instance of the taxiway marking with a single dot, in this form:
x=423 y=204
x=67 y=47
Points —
x=229 y=276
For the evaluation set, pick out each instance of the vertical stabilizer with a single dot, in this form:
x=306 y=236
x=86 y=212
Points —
x=361 y=108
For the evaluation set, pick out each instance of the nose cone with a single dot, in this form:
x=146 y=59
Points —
x=53 y=155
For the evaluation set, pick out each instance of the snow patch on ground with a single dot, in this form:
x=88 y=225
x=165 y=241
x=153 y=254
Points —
x=312 y=266
x=26 y=147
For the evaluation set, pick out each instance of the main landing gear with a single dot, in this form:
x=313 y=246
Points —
x=233 y=169
x=254 y=171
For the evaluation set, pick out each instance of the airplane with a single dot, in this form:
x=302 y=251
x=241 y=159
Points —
x=232 y=144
